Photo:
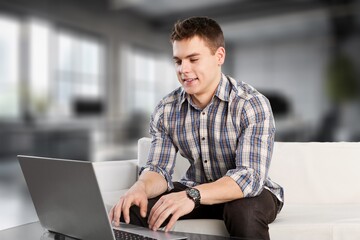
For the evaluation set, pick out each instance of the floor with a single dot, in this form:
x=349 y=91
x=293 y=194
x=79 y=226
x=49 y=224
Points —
x=16 y=206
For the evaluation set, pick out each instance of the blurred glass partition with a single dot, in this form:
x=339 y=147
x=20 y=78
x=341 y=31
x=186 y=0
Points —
x=9 y=65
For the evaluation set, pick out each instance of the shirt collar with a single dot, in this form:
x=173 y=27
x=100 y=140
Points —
x=222 y=92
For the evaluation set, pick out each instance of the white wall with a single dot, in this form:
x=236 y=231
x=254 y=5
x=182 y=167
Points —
x=295 y=68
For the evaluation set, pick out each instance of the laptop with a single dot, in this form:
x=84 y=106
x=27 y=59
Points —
x=68 y=201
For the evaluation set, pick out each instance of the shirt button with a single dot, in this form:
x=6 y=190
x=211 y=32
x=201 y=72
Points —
x=203 y=113
x=203 y=138
x=205 y=161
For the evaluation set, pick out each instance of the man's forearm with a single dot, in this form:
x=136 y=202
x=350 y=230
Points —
x=153 y=182
x=223 y=190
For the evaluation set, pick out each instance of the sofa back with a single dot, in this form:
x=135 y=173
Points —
x=310 y=173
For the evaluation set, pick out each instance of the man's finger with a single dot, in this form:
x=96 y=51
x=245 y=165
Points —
x=117 y=212
x=172 y=221
x=161 y=218
x=126 y=210
x=155 y=212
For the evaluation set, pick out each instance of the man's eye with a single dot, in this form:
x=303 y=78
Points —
x=178 y=62
x=193 y=60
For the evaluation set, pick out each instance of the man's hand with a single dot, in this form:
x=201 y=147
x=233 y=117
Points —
x=175 y=204
x=136 y=195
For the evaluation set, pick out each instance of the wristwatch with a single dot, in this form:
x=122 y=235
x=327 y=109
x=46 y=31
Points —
x=194 y=195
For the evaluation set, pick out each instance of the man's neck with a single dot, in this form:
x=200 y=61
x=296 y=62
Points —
x=202 y=100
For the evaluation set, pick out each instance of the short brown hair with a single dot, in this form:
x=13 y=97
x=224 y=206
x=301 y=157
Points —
x=206 y=28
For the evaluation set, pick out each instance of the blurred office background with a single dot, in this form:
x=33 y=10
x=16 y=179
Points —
x=80 y=78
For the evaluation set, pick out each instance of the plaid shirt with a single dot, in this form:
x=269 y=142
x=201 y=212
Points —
x=232 y=136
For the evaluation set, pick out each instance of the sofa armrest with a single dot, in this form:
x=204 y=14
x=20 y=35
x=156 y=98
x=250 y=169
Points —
x=115 y=178
x=116 y=175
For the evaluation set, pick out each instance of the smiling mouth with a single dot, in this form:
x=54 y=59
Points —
x=189 y=80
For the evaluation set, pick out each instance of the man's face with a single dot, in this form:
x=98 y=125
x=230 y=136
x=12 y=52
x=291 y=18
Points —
x=197 y=68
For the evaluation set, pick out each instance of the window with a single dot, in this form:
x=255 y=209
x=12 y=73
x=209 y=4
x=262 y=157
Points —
x=143 y=81
x=9 y=65
x=78 y=70
x=48 y=71
x=150 y=77
x=64 y=67
x=39 y=66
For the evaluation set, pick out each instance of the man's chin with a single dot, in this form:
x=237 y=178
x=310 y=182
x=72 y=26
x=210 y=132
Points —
x=189 y=91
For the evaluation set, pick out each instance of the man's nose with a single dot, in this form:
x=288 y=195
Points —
x=185 y=67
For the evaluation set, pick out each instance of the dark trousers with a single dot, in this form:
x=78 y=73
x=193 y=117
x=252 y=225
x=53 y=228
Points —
x=246 y=217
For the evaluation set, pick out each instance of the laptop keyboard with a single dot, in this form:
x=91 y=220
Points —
x=121 y=235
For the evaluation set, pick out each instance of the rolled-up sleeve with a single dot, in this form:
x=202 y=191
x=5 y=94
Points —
x=255 y=145
x=162 y=154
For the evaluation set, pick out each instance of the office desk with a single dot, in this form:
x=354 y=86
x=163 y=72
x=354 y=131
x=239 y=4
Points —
x=34 y=231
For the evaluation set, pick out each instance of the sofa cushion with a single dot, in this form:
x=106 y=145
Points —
x=317 y=221
x=202 y=226
x=320 y=222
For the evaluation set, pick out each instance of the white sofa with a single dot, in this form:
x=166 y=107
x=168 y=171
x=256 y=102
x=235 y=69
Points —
x=321 y=183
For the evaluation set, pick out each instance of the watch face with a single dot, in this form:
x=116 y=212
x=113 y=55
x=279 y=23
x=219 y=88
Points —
x=193 y=193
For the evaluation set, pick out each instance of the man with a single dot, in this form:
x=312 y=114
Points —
x=226 y=131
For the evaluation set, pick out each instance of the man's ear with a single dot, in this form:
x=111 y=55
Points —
x=220 y=54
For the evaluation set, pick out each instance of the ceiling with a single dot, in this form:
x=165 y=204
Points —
x=155 y=8
x=162 y=11
x=240 y=19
